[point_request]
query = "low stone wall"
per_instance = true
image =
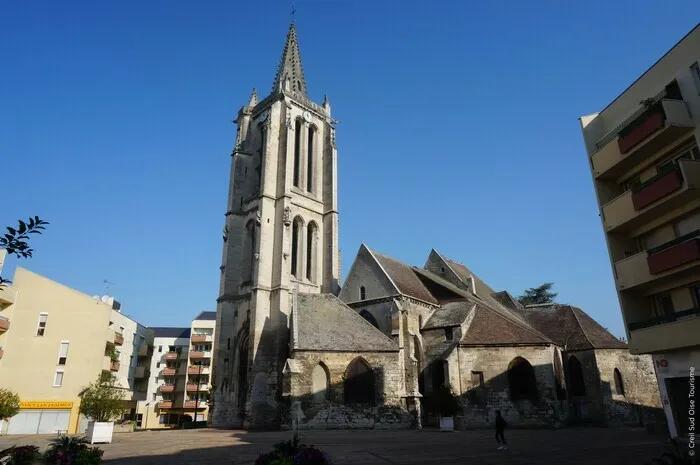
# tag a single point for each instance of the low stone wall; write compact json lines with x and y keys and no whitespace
{"x":303,"y":415}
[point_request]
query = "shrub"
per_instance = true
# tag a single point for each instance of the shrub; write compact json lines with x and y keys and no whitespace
{"x":293,"y":452}
{"x":9,"y":404}
{"x":444,"y":401}
{"x":102,"y":401}
{"x":23,"y":455}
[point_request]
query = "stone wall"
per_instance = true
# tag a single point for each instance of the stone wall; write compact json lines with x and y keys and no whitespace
{"x":640,"y":402}
{"x":304,"y":410}
{"x":481,"y":403}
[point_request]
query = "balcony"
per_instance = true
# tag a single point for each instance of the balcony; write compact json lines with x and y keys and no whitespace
{"x":661,"y":124}
{"x":145,"y":350}
{"x":659,"y":195}
{"x":171,"y":355}
{"x":169,"y":371}
{"x":167,"y":388}
{"x":681,"y":255}
{"x":118,"y":339}
{"x":113,"y":365}
{"x":197,"y":387}
{"x":200,"y":338}
{"x":142,"y":372}
{"x":2,"y":352}
{"x":193,"y":404}
{"x":197,"y":370}
{"x":4,"y":324}
{"x":665,"y":333}
{"x":8,"y":295}
{"x":200,"y":354}
{"x":165,"y":404}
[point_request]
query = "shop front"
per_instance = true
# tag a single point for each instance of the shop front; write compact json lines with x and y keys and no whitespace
{"x":675,"y":372}
{"x":44,"y":417}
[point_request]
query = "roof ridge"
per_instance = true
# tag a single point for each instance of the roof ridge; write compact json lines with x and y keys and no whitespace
{"x":580,"y":326}
{"x":371,"y":253}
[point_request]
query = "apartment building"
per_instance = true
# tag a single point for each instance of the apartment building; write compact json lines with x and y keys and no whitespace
{"x":645,"y":164}
{"x":178,"y":389}
{"x":56,"y":341}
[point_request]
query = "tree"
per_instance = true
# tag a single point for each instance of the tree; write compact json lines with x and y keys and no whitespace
{"x":16,"y":242}
{"x":9,"y":404}
{"x":538,"y":295}
{"x":103,"y":400}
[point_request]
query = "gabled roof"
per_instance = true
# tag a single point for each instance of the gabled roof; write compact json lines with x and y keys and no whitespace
{"x":507,"y":300}
{"x":324,"y":322}
{"x":489,"y":327}
{"x":404,"y":278}
{"x":171,"y":332}
{"x":206,"y":316}
{"x":570,"y":327}
{"x":290,"y":65}
{"x":449,"y":315}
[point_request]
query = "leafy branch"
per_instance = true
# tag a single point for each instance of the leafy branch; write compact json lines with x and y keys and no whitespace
{"x":16,"y":241}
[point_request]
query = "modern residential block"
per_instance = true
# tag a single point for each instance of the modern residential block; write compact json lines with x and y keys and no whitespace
{"x":645,"y":164}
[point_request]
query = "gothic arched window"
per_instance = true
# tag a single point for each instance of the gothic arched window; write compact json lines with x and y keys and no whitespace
{"x":320,"y":382}
{"x":310,"y":159}
{"x":619,"y":383}
{"x":297,"y":151}
{"x":311,"y":246}
{"x":521,"y":380}
{"x":576,"y":383}
{"x":249,"y":251}
{"x":363,"y":294}
{"x":358,"y":386}
{"x":297,"y":229}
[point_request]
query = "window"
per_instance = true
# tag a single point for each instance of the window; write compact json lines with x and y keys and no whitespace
{"x":363,"y":293}
{"x":310,"y":160}
{"x":63,"y":353}
{"x":477,"y":379}
{"x":695,"y":71}
{"x":154,"y":397}
{"x":662,"y":304}
{"x":163,"y":420}
{"x":575,"y":382}
{"x":160,"y":348}
{"x":449,"y":335}
{"x":688,"y":224}
{"x":521,"y":380}
{"x":358,"y":386}
{"x":155,"y":379}
{"x":687,"y":153}
{"x":228,"y":343}
{"x":297,"y":148}
{"x":41,"y":328}
{"x":619,"y":384}
{"x":157,"y":364}
{"x":420,"y":322}
{"x":58,"y":378}
{"x":311,"y":233}
{"x":297,"y":229}
{"x":631,"y":183}
{"x":131,"y":361}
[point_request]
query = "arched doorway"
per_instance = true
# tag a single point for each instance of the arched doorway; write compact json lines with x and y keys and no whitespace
{"x":521,"y":380}
{"x":576,"y":383}
{"x":358,"y":386}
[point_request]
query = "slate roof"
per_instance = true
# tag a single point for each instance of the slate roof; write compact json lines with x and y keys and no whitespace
{"x":571,"y":327}
{"x":507,"y":300}
{"x":449,"y":314}
{"x":171,"y":332}
{"x":323,"y":322}
{"x":206,"y":316}
{"x":404,"y":278}
{"x":489,"y":327}
{"x":290,"y":63}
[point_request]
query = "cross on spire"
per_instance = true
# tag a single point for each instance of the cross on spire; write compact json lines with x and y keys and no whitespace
{"x":290,"y":74}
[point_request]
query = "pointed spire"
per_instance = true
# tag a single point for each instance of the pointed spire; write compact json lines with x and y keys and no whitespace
{"x":326,"y":105}
{"x":253,"y":98}
{"x":290,"y":75}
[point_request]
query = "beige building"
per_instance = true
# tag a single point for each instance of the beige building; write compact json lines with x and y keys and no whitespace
{"x":645,"y":164}
{"x":56,"y":342}
{"x":180,"y":380}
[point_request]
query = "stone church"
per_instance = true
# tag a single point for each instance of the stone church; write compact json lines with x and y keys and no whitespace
{"x":296,"y":350}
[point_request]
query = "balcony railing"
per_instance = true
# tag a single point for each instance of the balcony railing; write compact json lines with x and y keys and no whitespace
{"x":197,"y":370}
{"x":193,"y":404}
{"x":200,"y":354}
{"x":657,"y":196}
{"x":165,"y":404}
{"x":171,"y":355}
{"x":114,"y":365}
{"x":676,"y":253}
{"x":167,"y":388}
{"x":118,"y":339}
{"x":8,"y":295}
{"x":665,"y":333}
{"x":200,"y":338}
{"x":661,"y":320}
{"x":4,"y":324}
{"x":169,"y":371}
{"x":142,"y":372}
{"x":145,"y":350}
{"x":658,"y":126}
{"x":197,"y":387}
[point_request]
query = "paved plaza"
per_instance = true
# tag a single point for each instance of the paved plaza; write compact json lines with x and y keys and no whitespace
{"x":477,"y":447}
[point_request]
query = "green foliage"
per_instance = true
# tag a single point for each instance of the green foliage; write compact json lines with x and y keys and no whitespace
{"x":538,"y":295}
{"x":22,"y":455}
{"x":16,"y":241}
{"x":293,"y":452}
{"x":72,"y":450}
{"x":102,"y":401}
{"x":9,"y":403}
{"x":113,"y":353}
{"x":444,"y":401}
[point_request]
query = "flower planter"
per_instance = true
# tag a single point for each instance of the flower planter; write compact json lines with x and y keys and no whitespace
{"x":99,"y":432}
{"x":447,"y":423}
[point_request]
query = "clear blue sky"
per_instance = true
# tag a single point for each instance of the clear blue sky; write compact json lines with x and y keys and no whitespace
{"x":459,"y":131}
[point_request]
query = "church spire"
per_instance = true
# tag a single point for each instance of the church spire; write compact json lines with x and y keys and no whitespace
{"x":290,"y":75}
{"x":253,"y":98}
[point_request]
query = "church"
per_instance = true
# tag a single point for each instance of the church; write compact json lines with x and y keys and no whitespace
{"x":295,"y":349}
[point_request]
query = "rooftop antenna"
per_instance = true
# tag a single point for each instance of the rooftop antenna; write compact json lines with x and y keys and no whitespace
{"x":107,"y":284}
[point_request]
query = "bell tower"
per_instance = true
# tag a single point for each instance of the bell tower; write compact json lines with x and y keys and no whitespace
{"x":280,"y":236}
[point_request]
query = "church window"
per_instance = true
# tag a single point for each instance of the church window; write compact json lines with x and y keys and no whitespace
{"x":521,"y":380}
{"x":320,"y":382}
{"x":363,"y":294}
{"x":619,"y":384}
{"x":420,"y":322}
{"x":310,"y":160}
{"x":370,"y":318}
{"x":358,"y":385}
{"x":297,"y":148}
{"x":449,"y":334}
{"x":249,"y":250}
{"x":296,"y":246}
{"x":575,"y":380}
{"x":311,"y":239}
{"x":477,"y":379}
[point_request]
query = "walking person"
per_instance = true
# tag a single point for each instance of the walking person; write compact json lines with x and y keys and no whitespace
{"x":500,"y":428}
